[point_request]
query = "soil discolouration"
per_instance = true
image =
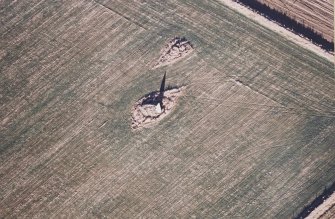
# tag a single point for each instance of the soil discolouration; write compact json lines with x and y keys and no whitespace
{"x":148,"y":110}
{"x":176,"y":49}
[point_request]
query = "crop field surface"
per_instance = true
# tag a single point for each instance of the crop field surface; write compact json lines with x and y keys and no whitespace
{"x":251,"y":137}
{"x":318,"y":15}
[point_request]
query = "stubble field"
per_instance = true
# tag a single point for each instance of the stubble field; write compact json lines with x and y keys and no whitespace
{"x":317,"y":15}
{"x":253,"y":136}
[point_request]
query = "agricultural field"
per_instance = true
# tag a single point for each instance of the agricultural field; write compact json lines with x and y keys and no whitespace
{"x":251,"y":137}
{"x":329,"y":214}
{"x":326,"y":210}
{"x":317,"y":15}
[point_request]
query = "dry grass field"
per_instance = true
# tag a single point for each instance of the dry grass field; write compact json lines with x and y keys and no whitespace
{"x":253,"y":136}
{"x":318,"y":15}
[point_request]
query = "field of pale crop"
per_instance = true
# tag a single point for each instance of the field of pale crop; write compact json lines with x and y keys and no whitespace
{"x":329,"y":214}
{"x":253,"y":136}
{"x":317,"y":14}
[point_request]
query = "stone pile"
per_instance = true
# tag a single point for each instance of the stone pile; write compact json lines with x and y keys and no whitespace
{"x":176,"y":49}
{"x":148,"y":110}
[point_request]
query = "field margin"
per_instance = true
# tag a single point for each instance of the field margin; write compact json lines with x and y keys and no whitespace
{"x":301,"y":41}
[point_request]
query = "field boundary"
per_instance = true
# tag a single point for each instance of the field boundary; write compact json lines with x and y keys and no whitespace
{"x":298,"y":39}
{"x":320,"y":205}
{"x":289,"y":23}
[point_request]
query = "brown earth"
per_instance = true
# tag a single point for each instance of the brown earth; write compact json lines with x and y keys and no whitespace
{"x":318,"y":15}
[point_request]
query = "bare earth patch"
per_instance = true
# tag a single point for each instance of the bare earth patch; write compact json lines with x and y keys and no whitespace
{"x":176,"y":49}
{"x":148,"y":111}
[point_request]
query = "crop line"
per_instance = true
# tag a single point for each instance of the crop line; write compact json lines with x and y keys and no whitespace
{"x":21,"y":18}
{"x":122,"y":15}
{"x":293,"y":152}
{"x":204,"y":82}
{"x":262,"y":198}
{"x":262,"y":150}
{"x":328,"y":211}
{"x":289,"y":110}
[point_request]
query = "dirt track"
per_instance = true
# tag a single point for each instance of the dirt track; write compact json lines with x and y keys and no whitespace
{"x":318,"y":15}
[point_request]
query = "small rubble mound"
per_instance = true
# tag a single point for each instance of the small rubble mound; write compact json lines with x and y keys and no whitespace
{"x":148,"y":110}
{"x":176,"y":49}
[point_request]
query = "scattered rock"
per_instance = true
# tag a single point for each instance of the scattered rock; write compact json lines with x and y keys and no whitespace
{"x":148,"y":110}
{"x":176,"y":49}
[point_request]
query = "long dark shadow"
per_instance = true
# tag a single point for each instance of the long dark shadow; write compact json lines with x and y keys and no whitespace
{"x":161,"y":91}
{"x":316,"y":202}
{"x":288,"y":23}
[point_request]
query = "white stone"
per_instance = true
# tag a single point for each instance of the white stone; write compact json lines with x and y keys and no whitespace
{"x":158,"y":109}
